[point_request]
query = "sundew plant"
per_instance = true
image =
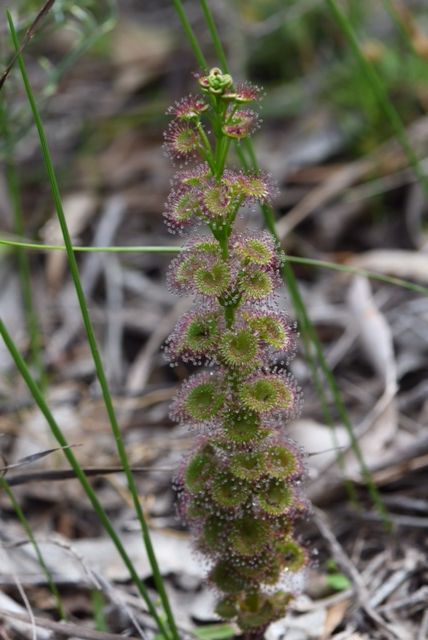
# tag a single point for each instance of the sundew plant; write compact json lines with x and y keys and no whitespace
{"x":239,"y":488}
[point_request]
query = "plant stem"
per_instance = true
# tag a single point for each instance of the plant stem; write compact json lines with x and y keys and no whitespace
{"x":222,"y":156}
{"x":190,"y":35}
{"x":27,"y":528}
{"x":310,"y":262}
{"x":208,"y":154}
{"x":38,"y":246}
{"x":309,"y":329}
{"x":80,"y":474}
{"x":74,"y":270}
{"x":214,"y":35}
{"x":378,"y":89}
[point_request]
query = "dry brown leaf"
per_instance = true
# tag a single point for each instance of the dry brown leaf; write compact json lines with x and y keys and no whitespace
{"x":335,"y":615}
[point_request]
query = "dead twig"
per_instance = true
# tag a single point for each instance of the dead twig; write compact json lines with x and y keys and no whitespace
{"x":69,"y":474}
{"x":345,"y":177}
{"x":29,"y":34}
{"x":64,"y":628}
{"x":349,"y":568}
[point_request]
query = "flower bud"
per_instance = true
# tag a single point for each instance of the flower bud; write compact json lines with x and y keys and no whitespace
{"x":216,"y":82}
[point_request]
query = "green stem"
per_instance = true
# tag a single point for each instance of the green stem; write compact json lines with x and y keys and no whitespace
{"x":27,"y":528}
{"x":222,"y":156}
{"x":38,"y":246}
{"x":92,"y":341}
{"x":250,"y":150}
{"x":378,"y":89}
{"x":308,"y":328}
{"x":242,"y":159}
{"x":214,"y":35}
{"x":80,"y":474}
{"x":310,"y":262}
{"x":222,"y":237}
{"x":190,"y":35}
{"x":229,"y":313}
{"x":234,"y":213}
{"x":307,"y":339}
{"x":206,"y":146}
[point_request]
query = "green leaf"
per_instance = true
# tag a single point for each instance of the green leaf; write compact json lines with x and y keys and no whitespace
{"x":338,"y":582}
{"x":215,"y":632}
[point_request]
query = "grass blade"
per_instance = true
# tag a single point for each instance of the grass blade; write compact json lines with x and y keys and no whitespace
{"x":27,"y":528}
{"x":218,"y":46}
{"x":38,"y":246}
{"x":190,"y":35}
{"x":39,"y":398}
{"x":377,"y":87}
{"x":92,"y":341}
{"x":309,"y":262}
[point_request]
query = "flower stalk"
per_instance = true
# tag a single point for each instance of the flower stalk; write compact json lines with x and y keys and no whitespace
{"x":239,"y":488}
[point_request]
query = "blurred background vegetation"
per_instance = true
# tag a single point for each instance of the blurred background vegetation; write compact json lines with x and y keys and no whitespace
{"x":104,"y":73}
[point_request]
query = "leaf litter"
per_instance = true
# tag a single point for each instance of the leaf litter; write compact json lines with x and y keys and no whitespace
{"x":375,"y":337}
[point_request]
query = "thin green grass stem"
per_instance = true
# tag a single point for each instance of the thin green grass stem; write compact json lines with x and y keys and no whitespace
{"x":218,"y":46}
{"x":190,"y":35}
{"x":31,"y":319}
{"x":251,"y":154}
{"x":11,"y":241}
{"x":372,"y":275}
{"x":93,"y":343}
{"x":377,"y":87}
{"x":309,"y":262}
{"x":98,"y":607}
{"x":56,"y":430}
{"x":27,"y":528}
{"x":309,"y":329}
